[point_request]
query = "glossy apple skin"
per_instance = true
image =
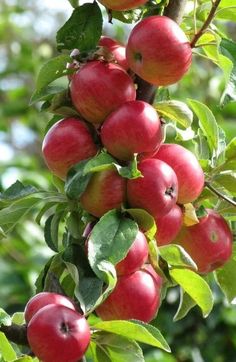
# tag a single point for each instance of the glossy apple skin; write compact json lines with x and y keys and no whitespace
{"x":156,"y":192}
{"x":42,"y":299}
{"x":169,"y":226}
{"x":136,"y":296}
{"x":209,"y":243}
{"x":57,"y":333}
{"x":187,"y":168}
{"x":158,"y":51}
{"x":117,"y":49}
{"x":98,"y":88}
{"x":105,"y":191}
{"x":133,"y":128}
{"x":67,"y":142}
{"x":136,"y":257}
{"x":122,"y":4}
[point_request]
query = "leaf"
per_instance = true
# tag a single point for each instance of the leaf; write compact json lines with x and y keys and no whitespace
{"x":5,"y":319}
{"x":197,"y":288}
{"x":185,"y":305}
{"x":176,"y":111}
{"x":145,"y":221}
{"x":77,"y":180}
{"x":100,"y":162}
{"x":110,"y":239}
{"x":190,"y":217}
{"x":131,"y":171}
{"x":47,"y":93}
{"x":228,"y":181}
{"x":227,"y":13}
{"x":228,"y":49}
{"x":6,"y":349}
{"x":207,"y":123}
{"x":136,"y":330}
{"x":113,"y":348}
{"x":74,"y":3}
{"x":128,"y":16}
{"x":18,"y":318}
{"x":82,"y":30}
{"x":51,"y":230}
{"x":176,"y":256}
{"x":17,"y":191}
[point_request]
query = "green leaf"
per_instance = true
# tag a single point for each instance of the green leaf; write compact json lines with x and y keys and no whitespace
{"x":145,"y":221}
{"x":82,"y":30}
{"x":108,"y":347}
{"x":47,"y":93}
{"x":131,"y":171}
{"x":196,"y":287}
{"x":51,"y":230}
{"x":176,"y":256}
{"x":228,"y":49}
{"x":228,"y":181}
{"x":227,"y":13}
{"x":74,"y":3}
{"x":6,"y":349}
{"x":77,"y":180}
{"x":18,"y":318}
{"x":17,"y":191}
{"x":128,"y":17}
{"x":5,"y":319}
{"x":110,"y":239}
{"x":100,"y":162}
{"x":207,"y":123}
{"x":185,"y":305}
{"x":176,"y":111}
{"x":26,"y":359}
{"x":136,"y":330}
{"x":225,"y":278}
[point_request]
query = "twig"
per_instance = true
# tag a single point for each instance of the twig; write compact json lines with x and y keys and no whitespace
{"x":209,"y":19}
{"x":16,"y":334}
{"x":218,"y":193}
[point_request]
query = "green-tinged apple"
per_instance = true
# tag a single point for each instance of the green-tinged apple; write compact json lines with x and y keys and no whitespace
{"x":136,"y":296}
{"x":117,"y":49}
{"x":187,"y":168}
{"x":133,"y":128}
{"x":156,"y":192}
{"x":58,"y":334}
{"x":158,"y":50}
{"x":209,"y":243}
{"x":169,"y":226}
{"x":122,"y":4}
{"x":105,"y":191}
{"x":136,"y":257}
{"x":98,"y":88}
{"x":67,"y":142}
{"x":42,"y":299}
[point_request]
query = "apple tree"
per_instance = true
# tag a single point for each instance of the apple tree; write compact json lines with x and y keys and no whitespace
{"x":142,"y":193}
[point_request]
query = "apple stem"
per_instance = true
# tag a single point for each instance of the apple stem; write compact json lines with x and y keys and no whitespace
{"x":218,"y":193}
{"x":206,"y":24}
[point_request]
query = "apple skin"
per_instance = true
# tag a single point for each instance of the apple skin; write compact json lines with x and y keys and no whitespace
{"x":117,"y":49}
{"x":187,"y":168}
{"x":136,"y":296}
{"x":42,"y":299}
{"x":158,"y":51}
{"x":209,"y":243}
{"x":105,"y":191}
{"x":156,"y":192}
{"x":98,"y":88}
{"x":122,"y":4}
{"x":136,"y":257}
{"x":67,"y":142}
{"x":58,"y":333}
{"x":133,"y":128}
{"x":169,"y":226}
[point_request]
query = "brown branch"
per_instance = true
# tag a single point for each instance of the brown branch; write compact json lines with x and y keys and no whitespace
{"x":218,"y":193}
{"x":209,"y":19}
{"x":146,"y":91}
{"x":16,"y":334}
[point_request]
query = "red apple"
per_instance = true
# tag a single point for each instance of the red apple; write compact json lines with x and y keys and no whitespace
{"x":159,"y":51}
{"x":156,"y":192}
{"x":98,"y":88}
{"x":187,"y":168}
{"x":42,"y":299}
{"x":105,"y":191}
{"x":209,"y":243}
{"x":117,"y":49}
{"x":122,"y":4}
{"x":136,"y":296}
{"x":133,"y":128}
{"x":57,"y":333}
{"x":67,"y":142}
{"x":136,"y":257}
{"x":169,"y":226}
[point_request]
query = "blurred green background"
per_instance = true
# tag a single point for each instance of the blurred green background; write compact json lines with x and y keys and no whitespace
{"x":27,"y":40}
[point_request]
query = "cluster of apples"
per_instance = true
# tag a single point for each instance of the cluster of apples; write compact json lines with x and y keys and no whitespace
{"x":55,"y":330}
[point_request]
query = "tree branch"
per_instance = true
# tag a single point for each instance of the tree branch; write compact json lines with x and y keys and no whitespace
{"x":209,"y":19}
{"x":146,"y":91}
{"x":16,"y":333}
{"x":218,"y":193}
